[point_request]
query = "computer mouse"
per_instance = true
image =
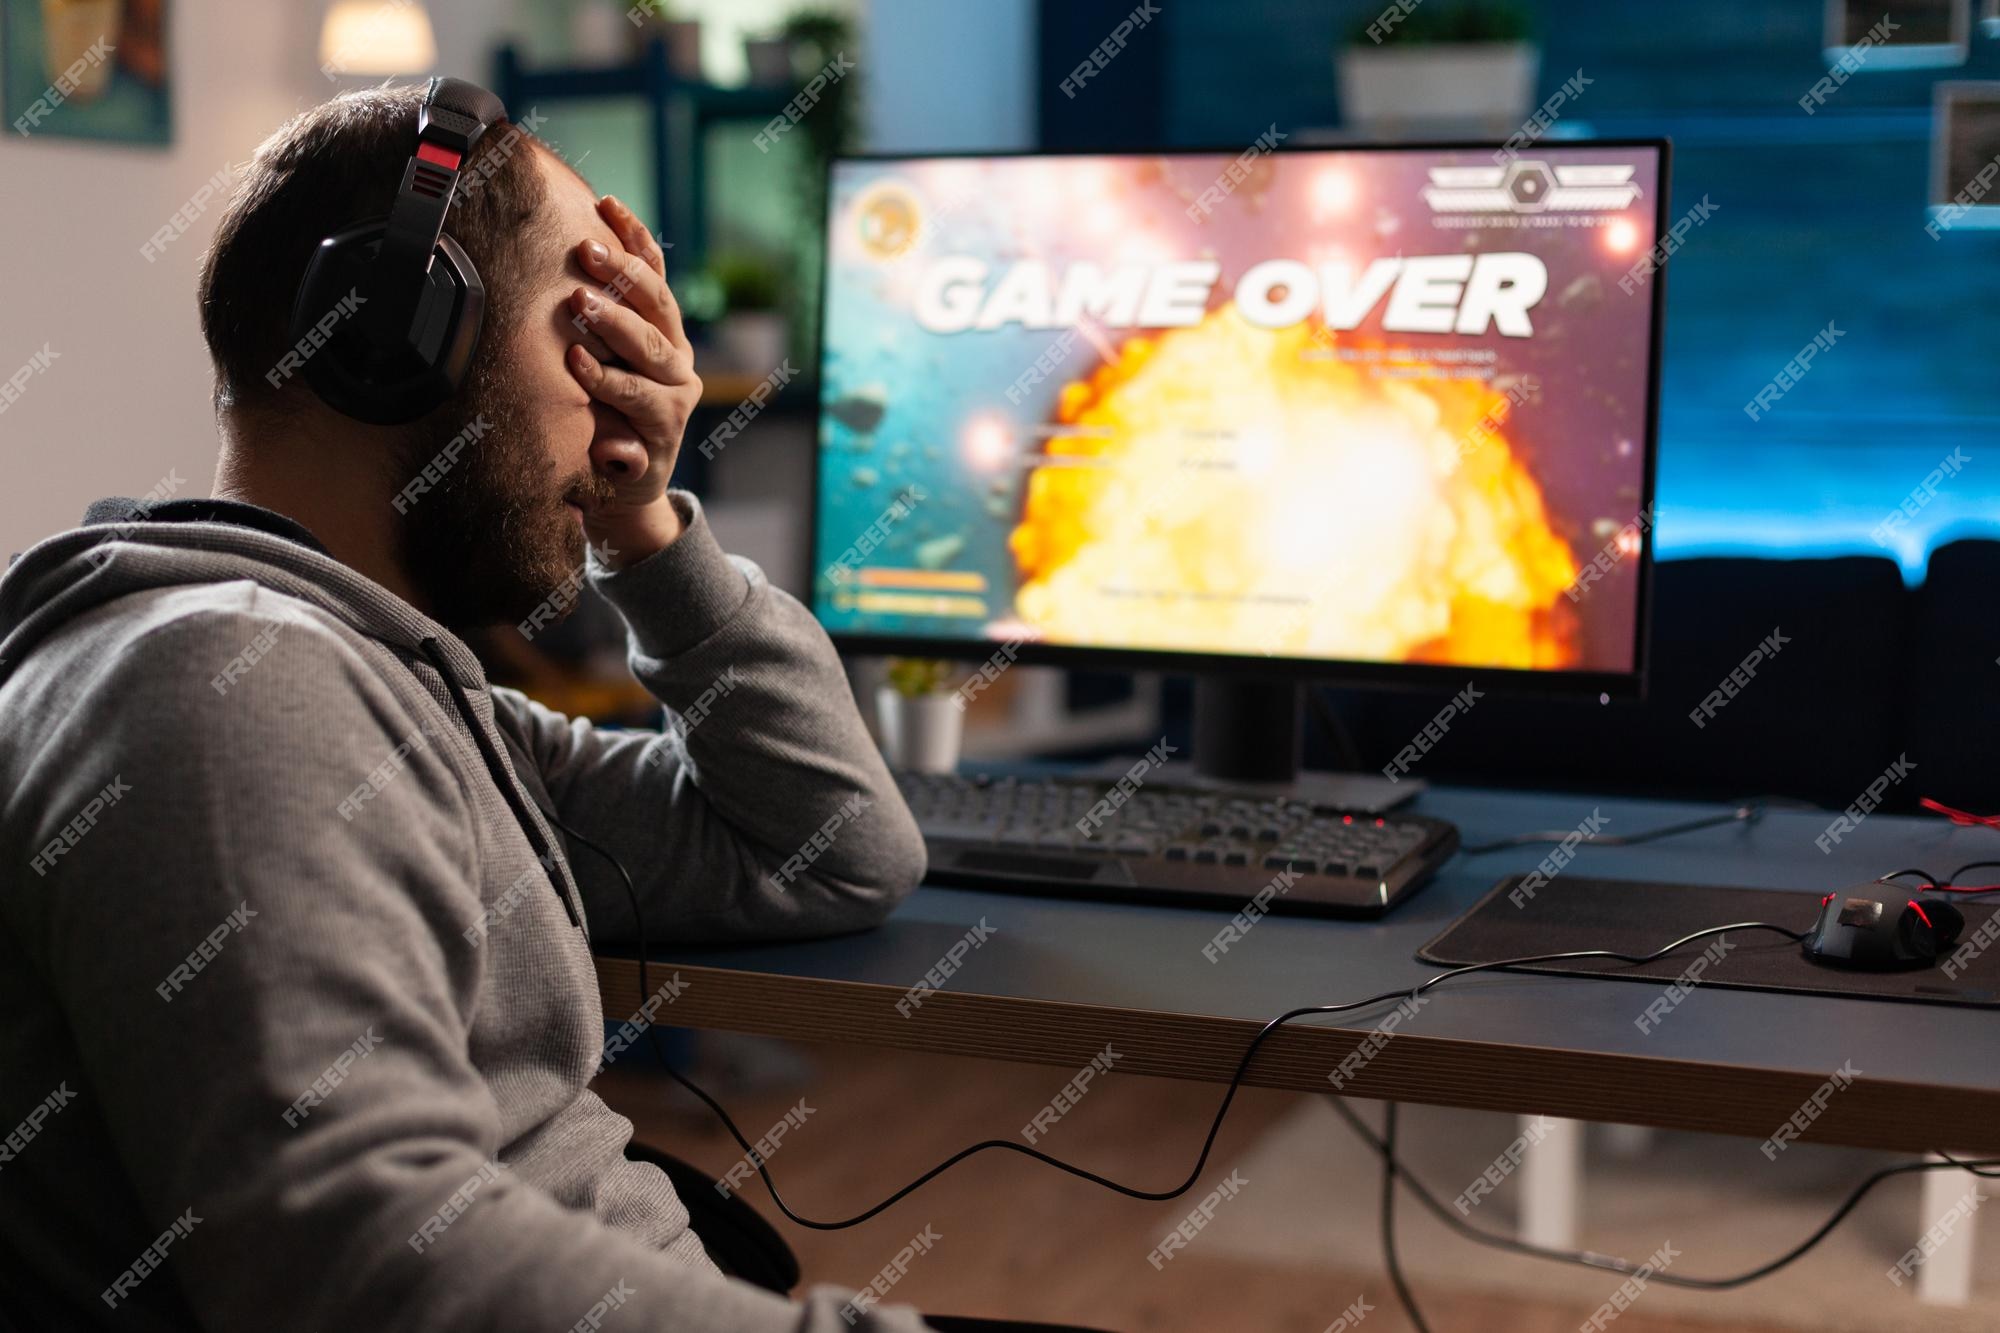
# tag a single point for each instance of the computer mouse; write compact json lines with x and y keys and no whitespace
{"x":1866,"y":932}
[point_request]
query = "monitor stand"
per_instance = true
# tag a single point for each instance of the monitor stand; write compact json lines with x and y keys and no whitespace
{"x":1249,"y":733}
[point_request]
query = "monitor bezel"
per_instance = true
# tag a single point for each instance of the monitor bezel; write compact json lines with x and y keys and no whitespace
{"x":1515,"y":681}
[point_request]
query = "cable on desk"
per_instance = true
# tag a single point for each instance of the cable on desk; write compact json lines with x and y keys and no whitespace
{"x":1746,"y":812}
{"x":1963,"y":818}
{"x":1385,"y":1145}
{"x":1949,"y":884}
{"x":1228,"y":1096}
{"x":1008,"y":1145}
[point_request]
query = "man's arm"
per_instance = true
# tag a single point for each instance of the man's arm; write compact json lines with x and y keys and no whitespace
{"x":305,"y":1105}
{"x":763,"y":809}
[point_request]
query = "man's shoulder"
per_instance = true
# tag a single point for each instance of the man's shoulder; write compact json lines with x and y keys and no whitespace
{"x":172,"y":646}
{"x":263,"y":699}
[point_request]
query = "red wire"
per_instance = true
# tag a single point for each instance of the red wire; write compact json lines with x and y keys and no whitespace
{"x":1960,"y":817}
{"x":1964,"y":818}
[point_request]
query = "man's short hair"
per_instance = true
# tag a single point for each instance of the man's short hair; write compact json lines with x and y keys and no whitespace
{"x":327,"y":168}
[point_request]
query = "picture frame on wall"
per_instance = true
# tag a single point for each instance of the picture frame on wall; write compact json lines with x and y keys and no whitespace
{"x":1898,"y":34}
{"x":86,"y":69}
{"x":1965,"y":157}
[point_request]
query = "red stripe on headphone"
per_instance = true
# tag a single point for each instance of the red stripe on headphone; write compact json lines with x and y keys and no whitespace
{"x":444,"y":157}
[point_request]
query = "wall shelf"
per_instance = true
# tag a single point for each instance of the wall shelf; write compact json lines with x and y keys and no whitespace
{"x":679,"y":113}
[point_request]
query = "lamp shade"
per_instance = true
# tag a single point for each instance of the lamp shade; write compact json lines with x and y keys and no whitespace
{"x":371,"y":37}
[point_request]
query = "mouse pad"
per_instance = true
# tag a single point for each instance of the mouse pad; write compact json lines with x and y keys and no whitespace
{"x":1630,"y":916}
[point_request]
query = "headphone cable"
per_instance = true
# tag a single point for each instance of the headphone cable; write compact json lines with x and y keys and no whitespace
{"x":1383,"y":1145}
{"x":1008,"y":1145}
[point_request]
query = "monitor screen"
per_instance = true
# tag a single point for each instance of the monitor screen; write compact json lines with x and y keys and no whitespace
{"x":1364,"y":407}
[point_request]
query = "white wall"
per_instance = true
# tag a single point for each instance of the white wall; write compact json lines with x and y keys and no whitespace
{"x":126,"y":399}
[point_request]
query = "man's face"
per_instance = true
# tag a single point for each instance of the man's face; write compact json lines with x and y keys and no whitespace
{"x":505,"y":527}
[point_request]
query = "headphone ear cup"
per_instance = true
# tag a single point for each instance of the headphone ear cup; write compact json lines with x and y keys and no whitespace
{"x":349,"y":365}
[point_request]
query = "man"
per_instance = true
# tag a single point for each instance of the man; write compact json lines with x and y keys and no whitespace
{"x":297,"y":1008}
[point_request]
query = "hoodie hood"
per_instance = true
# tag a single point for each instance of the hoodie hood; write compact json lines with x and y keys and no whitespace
{"x":73,"y":573}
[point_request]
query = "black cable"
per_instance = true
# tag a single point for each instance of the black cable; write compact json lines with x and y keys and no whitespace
{"x":1391,"y":1258}
{"x":1626,"y":1267}
{"x":1008,"y":1145}
{"x":1228,"y":1097}
{"x":1383,"y":1146}
{"x":1967,"y":1166}
{"x":1949,"y":882}
{"x":1746,"y":812}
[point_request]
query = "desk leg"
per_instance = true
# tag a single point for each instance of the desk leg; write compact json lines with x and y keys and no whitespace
{"x":1551,"y":1180}
{"x":1946,"y":1276}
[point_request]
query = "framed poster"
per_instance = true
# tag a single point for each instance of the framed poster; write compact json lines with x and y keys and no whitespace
{"x":88,"y":69}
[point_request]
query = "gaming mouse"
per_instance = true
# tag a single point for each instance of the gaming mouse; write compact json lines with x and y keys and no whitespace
{"x":1867,"y":933}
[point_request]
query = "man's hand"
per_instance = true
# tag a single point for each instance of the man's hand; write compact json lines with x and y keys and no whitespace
{"x":648,"y":397}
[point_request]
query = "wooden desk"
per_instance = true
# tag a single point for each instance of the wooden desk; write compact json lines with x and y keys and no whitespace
{"x":1057,"y":980}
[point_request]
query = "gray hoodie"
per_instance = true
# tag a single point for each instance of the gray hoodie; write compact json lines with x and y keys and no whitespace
{"x":295,"y":1027}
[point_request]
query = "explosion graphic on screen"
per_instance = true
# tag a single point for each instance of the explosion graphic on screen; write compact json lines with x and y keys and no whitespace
{"x":1252,"y":490}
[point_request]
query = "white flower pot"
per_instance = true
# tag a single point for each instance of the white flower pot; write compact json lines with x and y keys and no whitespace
{"x":922,"y":734}
{"x":1487,"y":86}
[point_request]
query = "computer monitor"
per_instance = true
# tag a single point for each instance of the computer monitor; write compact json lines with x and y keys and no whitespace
{"x":1362,"y":414}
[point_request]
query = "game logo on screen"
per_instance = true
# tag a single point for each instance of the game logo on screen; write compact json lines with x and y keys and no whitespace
{"x":1383,"y":406}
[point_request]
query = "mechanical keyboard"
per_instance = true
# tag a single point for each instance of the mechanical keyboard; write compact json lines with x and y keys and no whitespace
{"x":1198,"y":846}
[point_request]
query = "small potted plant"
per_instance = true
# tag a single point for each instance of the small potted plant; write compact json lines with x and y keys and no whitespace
{"x":1468,"y":65}
{"x":752,"y":333}
{"x":922,"y":722}
{"x":682,"y":37}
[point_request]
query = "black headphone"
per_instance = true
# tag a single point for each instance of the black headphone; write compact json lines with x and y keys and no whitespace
{"x":389,"y":312}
